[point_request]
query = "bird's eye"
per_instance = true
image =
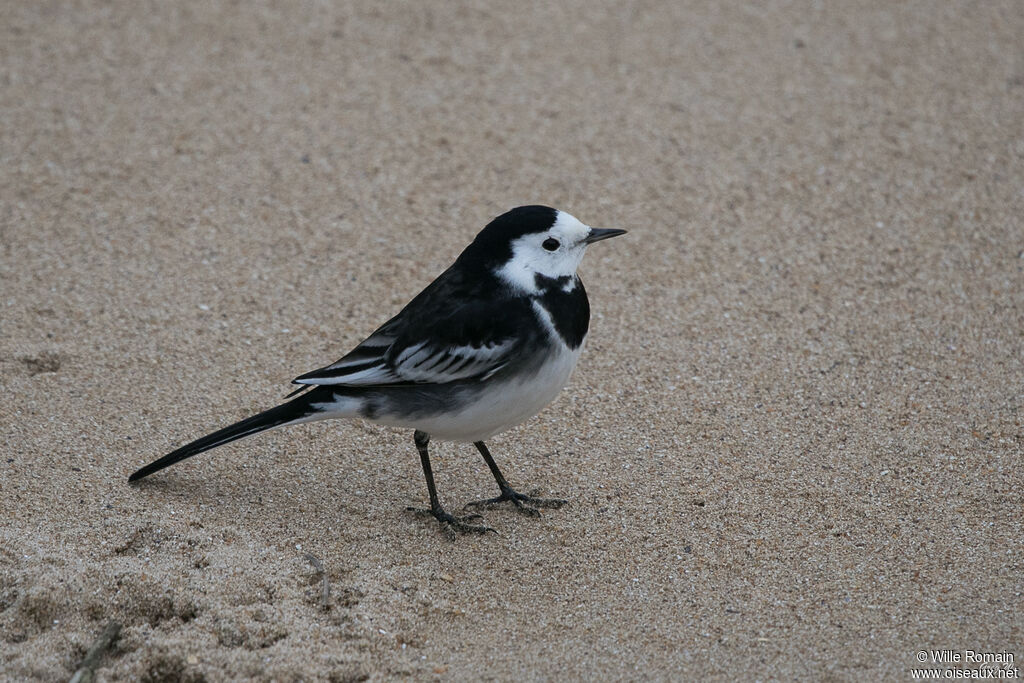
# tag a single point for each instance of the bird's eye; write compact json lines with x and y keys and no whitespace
{"x":551,"y":244}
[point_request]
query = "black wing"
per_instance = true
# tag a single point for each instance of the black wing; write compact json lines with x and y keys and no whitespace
{"x":450,"y":332}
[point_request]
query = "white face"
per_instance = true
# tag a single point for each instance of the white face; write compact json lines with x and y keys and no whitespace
{"x":555,"y":253}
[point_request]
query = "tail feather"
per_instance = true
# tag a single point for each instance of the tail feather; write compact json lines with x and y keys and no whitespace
{"x":298,"y":410}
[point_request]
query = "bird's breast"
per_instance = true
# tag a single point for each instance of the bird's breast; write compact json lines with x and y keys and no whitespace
{"x":476,"y":411}
{"x":563,"y":309}
{"x":508,"y":401}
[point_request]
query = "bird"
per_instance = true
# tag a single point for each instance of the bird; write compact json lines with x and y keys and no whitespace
{"x":484,"y":347}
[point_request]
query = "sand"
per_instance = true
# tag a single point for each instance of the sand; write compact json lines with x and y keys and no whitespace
{"x":793,"y":444}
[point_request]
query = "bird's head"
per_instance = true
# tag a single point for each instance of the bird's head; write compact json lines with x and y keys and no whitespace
{"x":534,"y":240}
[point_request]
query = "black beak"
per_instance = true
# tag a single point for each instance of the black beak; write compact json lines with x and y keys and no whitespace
{"x":598,"y":234}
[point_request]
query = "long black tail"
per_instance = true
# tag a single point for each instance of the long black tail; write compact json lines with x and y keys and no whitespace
{"x":297,"y":410}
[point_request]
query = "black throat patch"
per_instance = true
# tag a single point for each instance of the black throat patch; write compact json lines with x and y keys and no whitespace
{"x":569,"y":310}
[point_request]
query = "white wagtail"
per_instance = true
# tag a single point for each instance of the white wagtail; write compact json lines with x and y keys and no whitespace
{"x":484,"y":347}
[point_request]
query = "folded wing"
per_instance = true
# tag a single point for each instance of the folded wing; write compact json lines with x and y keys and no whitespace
{"x":473,"y":342}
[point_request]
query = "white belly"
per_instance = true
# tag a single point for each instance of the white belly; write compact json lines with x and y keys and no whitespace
{"x":501,"y":406}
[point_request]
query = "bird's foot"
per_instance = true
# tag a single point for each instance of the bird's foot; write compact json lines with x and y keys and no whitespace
{"x":525,"y":503}
{"x":450,"y":523}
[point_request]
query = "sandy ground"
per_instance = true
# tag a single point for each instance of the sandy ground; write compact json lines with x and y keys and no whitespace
{"x":793,"y":446}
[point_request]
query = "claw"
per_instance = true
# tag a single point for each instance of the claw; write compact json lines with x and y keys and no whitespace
{"x":526,"y":504}
{"x":450,"y":523}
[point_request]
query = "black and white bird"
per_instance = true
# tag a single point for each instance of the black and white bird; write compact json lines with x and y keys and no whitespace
{"x":484,"y":347}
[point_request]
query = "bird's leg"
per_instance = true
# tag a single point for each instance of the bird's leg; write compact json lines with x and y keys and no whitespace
{"x":527,"y":504}
{"x":450,"y":522}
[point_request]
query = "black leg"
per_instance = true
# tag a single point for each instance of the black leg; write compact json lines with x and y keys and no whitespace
{"x":510,"y":494}
{"x":450,"y":522}
{"x":422,"y":440}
